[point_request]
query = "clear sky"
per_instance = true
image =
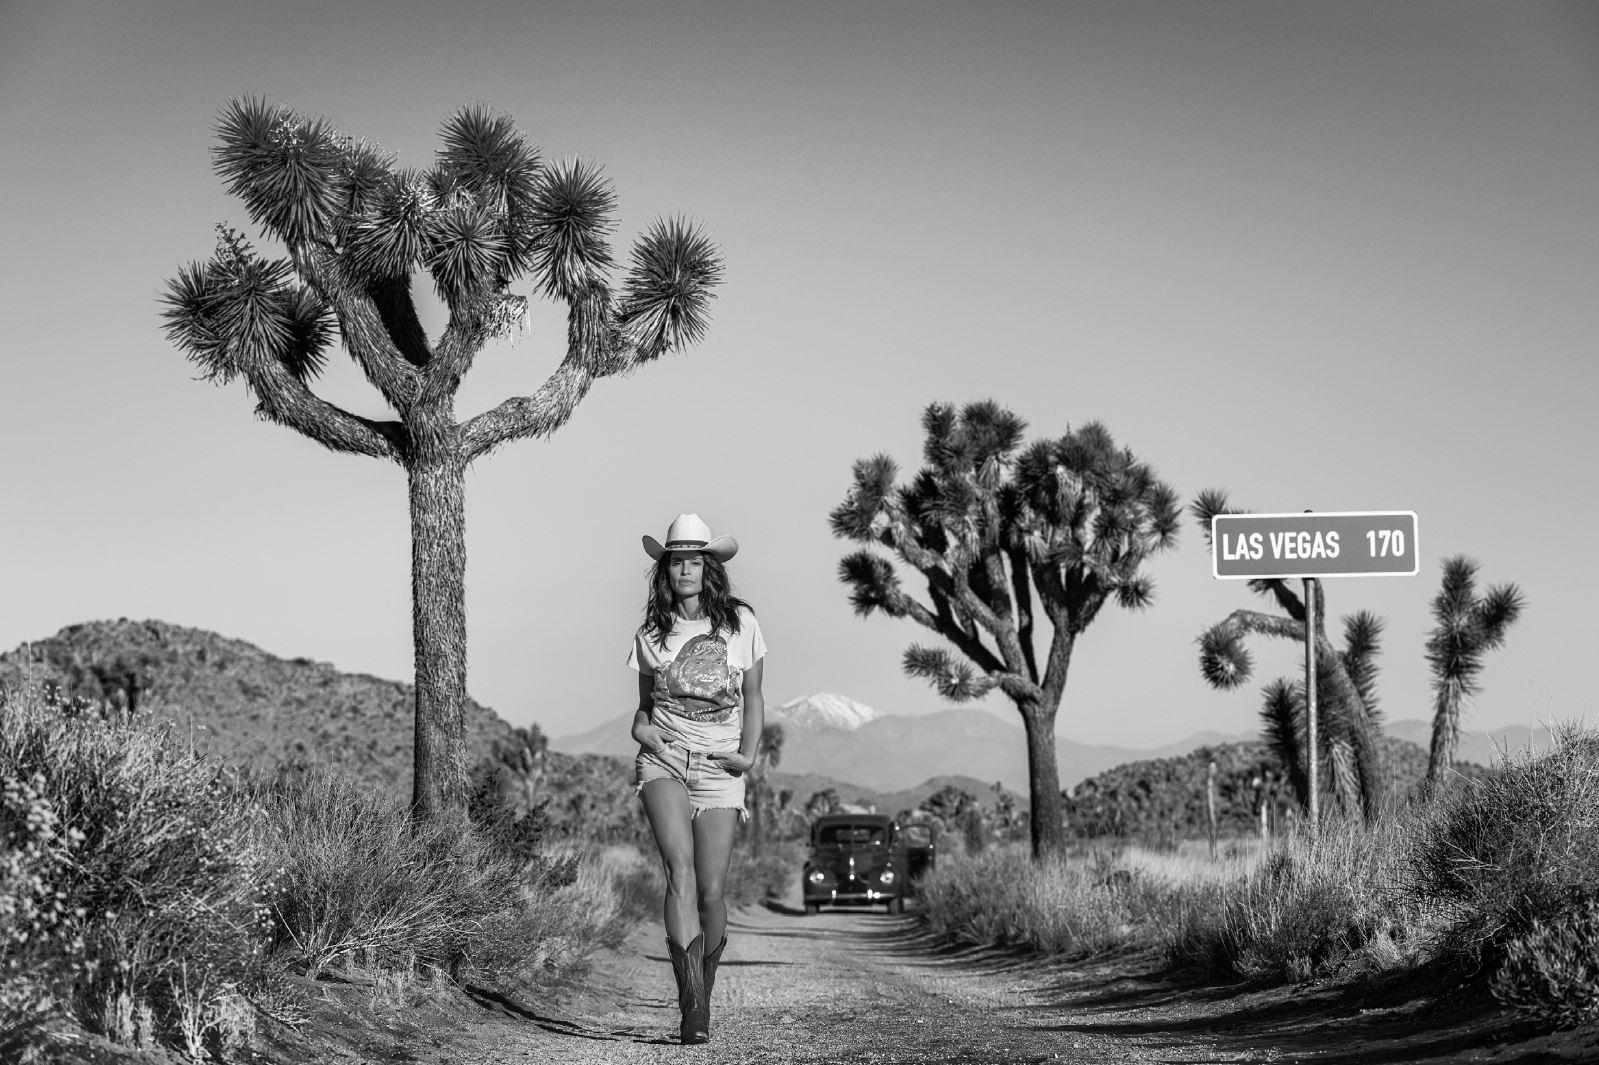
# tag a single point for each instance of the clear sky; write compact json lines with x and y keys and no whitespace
{"x":1330,"y":255}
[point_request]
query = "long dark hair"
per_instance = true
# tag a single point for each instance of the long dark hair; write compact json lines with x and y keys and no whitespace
{"x":716,"y":600}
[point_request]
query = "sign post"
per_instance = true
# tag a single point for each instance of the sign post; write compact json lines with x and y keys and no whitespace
{"x":1312,"y":545}
{"x":1312,"y":593}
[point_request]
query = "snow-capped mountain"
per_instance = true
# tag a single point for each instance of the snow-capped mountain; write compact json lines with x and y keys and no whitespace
{"x":825,"y":710}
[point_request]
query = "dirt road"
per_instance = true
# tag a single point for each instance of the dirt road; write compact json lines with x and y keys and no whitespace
{"x":852,"y":988}
{"x":833,"y":988}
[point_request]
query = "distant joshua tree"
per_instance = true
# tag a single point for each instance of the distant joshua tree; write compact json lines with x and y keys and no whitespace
{"x":1003,"y":534}
{"x":764,"y":816}
{"x":1346,"y":682}
{"x":823,"y":802}
{"x":1466,"y":627}
{"x":355,"y":228}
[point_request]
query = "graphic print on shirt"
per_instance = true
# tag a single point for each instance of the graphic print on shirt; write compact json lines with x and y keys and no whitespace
{"x":699,"y":684}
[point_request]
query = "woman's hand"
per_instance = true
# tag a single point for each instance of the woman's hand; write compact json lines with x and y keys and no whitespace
{"x":649,"y":737}
{"x":735,"y":762}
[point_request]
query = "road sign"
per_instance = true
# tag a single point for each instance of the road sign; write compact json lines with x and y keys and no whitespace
{"x":1358,"y":543}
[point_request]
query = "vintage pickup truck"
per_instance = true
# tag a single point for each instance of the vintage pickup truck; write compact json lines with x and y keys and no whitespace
{"x":863,"y":860}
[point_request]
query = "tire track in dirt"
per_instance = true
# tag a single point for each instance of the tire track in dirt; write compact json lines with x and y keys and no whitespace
{"x":833,"y":988}
{"x":846,"y":988}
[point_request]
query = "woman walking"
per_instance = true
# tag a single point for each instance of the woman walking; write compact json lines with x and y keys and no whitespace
{"x":699,"y":656}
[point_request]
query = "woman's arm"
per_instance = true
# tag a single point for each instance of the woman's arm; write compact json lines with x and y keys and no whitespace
{"x":749,"y":747}
{"x":644,"y":733}
{"x":754,"y":712}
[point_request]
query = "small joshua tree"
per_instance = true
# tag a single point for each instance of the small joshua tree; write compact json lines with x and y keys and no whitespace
{"x":1346,"y":682}
{"x":1466,"y":627}
{"x":1003,"y":534}
{"x":764,"y":816}
{"x":355,"y":227}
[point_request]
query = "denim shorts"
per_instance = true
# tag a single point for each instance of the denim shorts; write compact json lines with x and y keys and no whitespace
{"x":709,"y":786}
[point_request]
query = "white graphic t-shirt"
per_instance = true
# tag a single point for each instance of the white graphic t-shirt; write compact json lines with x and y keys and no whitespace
{"x":699,"y":680}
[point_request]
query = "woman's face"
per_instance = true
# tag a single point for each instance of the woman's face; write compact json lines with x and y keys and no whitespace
{"x":687,"y":573}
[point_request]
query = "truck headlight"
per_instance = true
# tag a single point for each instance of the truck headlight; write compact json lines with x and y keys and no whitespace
{"x":886,"y":876}
{"x":816,"y":876}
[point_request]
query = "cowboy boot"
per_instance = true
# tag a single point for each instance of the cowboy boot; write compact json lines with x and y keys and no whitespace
{"x":688,"y":965}
{"x":712,"y":959}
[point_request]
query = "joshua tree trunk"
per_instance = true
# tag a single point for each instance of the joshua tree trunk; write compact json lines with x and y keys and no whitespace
{"x":1047,"y":822}
{"x":438,"y":592}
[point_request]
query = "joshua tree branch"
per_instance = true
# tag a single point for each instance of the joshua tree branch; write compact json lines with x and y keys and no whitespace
{"x":284,"y":399}
{"x":1000,"y":628}
{"x":1242,"y":621}
{"x":361,"y":325}
{"x":540,"y":414}
{"x":1022,"y":592}
{"x":594,"y":349}
{"x":1058,"y":661}
{"x":1019,"y":689}
{"x":463,"y":338}
{"x":392,"y":298}
{"x":968,"y":643}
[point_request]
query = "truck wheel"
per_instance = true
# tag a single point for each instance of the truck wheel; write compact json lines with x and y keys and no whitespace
{"x":896,"y":904}
{"x":812,"y":909}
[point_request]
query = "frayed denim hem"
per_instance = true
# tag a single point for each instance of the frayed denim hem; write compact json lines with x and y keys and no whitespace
{"x":743,"y":814}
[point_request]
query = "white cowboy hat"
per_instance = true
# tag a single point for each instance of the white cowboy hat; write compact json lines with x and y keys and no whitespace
{"x":688,"y":533}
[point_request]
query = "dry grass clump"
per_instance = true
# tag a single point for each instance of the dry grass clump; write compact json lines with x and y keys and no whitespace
{"x":1074,"y":906}
{"x":1511,"y":862}
{"x":1498,"y":877}
{"x":354,"y":875}
{"x":131,"y":895}
{"x":147,"y":896}
{"x":1295,"y":909}
{"x":1309,"y":904}
{"x":360,"y":887}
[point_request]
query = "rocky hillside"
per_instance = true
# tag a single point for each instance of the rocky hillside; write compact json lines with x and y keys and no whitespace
{"x":238,"y":702}
{"x":1164,"y":798}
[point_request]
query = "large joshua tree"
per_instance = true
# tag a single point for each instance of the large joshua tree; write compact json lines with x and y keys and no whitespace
{"x":1465,"y":628}
{"x":1346,"y":681}
{"x":1007,"y":536}
{"x":488,"y":213}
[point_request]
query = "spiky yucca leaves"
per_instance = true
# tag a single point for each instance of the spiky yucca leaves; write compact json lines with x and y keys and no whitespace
{"x":287,"y":170}
{"x":485,"y":216}
{"x":1465,"y":628}
{"x":667,"y":294}
{"x":572,"y":217}
{"x":1282,"y":714}
{"x":1346,"y":677}
{"x":238,"y":310}
{"x":1003,"y":533}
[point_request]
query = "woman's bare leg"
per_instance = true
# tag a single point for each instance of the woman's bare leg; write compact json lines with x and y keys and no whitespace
{"x":713,"y":849}
{"x":666,"y":806}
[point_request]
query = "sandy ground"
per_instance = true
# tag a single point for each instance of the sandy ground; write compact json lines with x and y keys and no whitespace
{"x":852,"y":987}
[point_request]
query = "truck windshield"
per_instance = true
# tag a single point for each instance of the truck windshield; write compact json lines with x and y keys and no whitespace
{"x":852,"y":836}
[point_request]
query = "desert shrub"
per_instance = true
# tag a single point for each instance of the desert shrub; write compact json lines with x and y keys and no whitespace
{"x":1001,"y":897}
{"x":130,"y":894}
{"x":355,"y":875}
{"x":1511,"y":861}
{"x":1551,"y":971}
{"x":1311,"y":903}
{"x":567,"y":908}
{"x":1513,"y":848}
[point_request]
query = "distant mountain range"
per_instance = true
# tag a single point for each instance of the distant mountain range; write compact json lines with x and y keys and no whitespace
{"x":830,"y":734}
{"x":247,"y":706}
